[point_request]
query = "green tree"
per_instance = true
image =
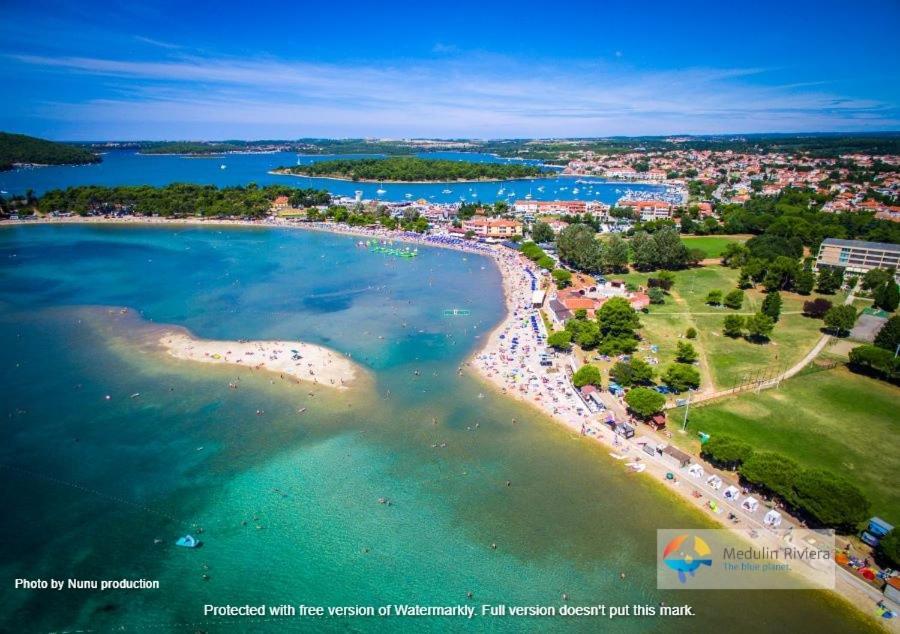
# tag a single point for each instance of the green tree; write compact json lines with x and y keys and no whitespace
{"x":889,"y":335}
{"x":830,"y":500}
{"x":562,"y":277}
{"x":561,"y":340}
{"x":840,"y":320}
{"x":875,"y":360}
{"x":805,"y":281}
{"x":726,"y":452}
{"x":874,"y":278}
{"x":830,"y":280}
{"x":546,"y":262}
{"x":889,"y":548}
{"x":691,"y":332}
{"x":714,"y":298}
{"x":734,"y":299}
{"x":772,"y":472}
{"x":735,"y":255}
{"x":617,"y":317}
{"x":587,"y":375}
{"x":887,"y":297}
{"x":633,"y":372}
{"x":771,"y":305}
{"x":656,"y":295}
{"x":615,"y":255}
{"x":733,"y":326}
{"x":542,"y":232}
{"x":645,"y":402}
{"x":685,"y":352}
{"x":759,"y":326}
{"x":816,"y":307}
{"x":681,"y":377}
{"x":578,"y":246}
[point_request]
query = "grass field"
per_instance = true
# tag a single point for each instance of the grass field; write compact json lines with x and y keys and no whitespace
{"x":712,"y":245}
{"x":832,"y":419}
{"x":727,"y":361}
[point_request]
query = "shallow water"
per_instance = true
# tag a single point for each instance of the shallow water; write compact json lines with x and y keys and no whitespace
{"x":89,"y":483}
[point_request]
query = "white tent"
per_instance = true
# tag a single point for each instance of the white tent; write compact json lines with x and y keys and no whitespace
{"x":714,"y":482}
{"x":732,"y":493}
{"x":696,"y":470}
{"x":750,"y":504}
{"x":772,"y":519}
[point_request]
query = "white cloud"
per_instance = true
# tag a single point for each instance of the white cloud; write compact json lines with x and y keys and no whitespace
{"x":476,"y":95}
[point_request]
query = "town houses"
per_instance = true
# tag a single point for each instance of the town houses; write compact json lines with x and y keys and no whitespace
{"x":649,"y":209}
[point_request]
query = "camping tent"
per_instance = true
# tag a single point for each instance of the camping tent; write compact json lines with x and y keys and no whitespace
{"x":772,"y":519}
{"x":732,"y":493}
{"x":714,"y":482}
{"x":750,"y":504}
{"x":696,"y":470}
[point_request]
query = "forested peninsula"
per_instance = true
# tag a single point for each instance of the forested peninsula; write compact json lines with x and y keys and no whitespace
{"x":28,"y":150}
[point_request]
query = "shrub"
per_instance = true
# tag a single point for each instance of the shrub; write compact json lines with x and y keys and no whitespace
{"x":562,"y":277}
{"x":546,"y":262}
{"x":734,"y":299}
{"x":714,"y":298}
{"x":691,"y":333}
{"x":656,"y":295}
{"x":587,"y":375}
{"x":726,"y":452}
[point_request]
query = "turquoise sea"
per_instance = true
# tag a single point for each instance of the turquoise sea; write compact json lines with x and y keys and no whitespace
{"x":123,"y":167}
{"x":289,"y":502}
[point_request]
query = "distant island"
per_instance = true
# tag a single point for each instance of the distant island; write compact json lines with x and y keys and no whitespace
{"x":20,"y":149}
{"x":192,"y":148}
{"x":411,"y":169}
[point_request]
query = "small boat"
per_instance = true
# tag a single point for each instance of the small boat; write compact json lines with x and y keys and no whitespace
{"x":188,"y":541}
{"x":135,"y":395}
{"x":446,"y":191}
{"x":222,"y":166}
{"x":380,"y":191}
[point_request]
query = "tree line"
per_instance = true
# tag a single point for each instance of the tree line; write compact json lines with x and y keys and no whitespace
{"x":177,"y":199}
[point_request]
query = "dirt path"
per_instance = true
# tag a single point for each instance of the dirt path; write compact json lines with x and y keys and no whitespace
{"x":706,"y":379}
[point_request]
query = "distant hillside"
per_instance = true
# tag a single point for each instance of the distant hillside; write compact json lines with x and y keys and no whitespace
{"x":19,"y":148}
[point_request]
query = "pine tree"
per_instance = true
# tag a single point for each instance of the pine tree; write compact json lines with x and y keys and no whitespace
{"x":771,"y":305}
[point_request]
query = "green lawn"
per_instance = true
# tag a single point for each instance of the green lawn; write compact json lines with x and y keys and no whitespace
{"x":832,"y":419}
{"x":729,"y":360}
{"x":713,"y":245}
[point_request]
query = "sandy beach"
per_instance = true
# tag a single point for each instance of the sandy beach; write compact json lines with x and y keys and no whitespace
{"x":300,"y":361}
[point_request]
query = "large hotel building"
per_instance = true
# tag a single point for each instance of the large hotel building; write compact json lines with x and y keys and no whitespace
{"x":857,"y":256}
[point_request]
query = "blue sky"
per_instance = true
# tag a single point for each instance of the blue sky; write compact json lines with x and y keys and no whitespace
{"x":254,"y":70}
